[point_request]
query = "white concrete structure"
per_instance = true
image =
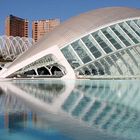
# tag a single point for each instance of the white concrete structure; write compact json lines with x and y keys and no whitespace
{"x":103,"y":42}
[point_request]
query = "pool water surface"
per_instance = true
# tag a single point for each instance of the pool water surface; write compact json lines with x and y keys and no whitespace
{"x":70,"y":110}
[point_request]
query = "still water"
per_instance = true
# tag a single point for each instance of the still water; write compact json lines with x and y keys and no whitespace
{"x":70,"y":110}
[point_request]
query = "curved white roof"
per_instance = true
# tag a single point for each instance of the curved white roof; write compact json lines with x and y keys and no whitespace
{"x":78,"y":26}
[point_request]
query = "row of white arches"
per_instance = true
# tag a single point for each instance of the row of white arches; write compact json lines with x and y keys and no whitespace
{"x":11,"y":47}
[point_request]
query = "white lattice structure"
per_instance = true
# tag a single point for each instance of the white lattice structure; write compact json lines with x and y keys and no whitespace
{"x":99,"y":43}
{"x":11,"y":47}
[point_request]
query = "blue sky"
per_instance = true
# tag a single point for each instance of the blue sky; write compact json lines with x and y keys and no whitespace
{"x":63,"y":9}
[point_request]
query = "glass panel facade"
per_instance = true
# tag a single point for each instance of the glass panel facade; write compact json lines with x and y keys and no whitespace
{"x":89,"y":43}
{"x":133,"y":56}
{"x":106,"y":66}
{"x":137,"y":22}
{"x":78,"y":47}
{"x":100,"y":68}
{"x":121,"y":37}
{"x":101,"y":43}
{"x":129,"y":69}
{"x":71,"y":58}
{"x":114,"y":57}
{"x":97,"y":44}
{"x":129,"y":34}
{"x":134,"y":27}
{"x":112,"y":40}
{"x":94,"y":70}
{"x":109,"y":61}
{"x":86,"y":71}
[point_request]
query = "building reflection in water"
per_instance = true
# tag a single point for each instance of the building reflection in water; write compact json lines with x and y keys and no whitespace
{"x":45,"y":91}
{"x":15,"y":110}
{"x":111,"y":107}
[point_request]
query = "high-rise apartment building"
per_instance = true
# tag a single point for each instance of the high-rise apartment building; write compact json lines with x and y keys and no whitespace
{"x":15,"y":26}
{"x":41,"y":27}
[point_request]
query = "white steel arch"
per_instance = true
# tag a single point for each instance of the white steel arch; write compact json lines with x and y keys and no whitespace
{"x":11,"y":47}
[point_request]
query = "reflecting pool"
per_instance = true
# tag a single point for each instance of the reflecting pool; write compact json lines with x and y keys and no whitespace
{"x":70,"y":110}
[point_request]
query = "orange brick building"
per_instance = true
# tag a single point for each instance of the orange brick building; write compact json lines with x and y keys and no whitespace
{"x":41,"y":27}
{"x":15,"y":26}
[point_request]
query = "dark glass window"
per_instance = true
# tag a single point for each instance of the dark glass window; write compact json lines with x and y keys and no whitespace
{"x":112,"y":40}
{"x":105,"y":47}
{"x":70,"y":57}
{"x":81,"y":52}
{"x":129,"y":34}
{"x":134,"y":28}
{"x":121,"y":37}
{"x":91,"y":47}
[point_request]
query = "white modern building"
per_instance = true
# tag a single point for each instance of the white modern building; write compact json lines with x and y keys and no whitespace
{"x":100,"y":43}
